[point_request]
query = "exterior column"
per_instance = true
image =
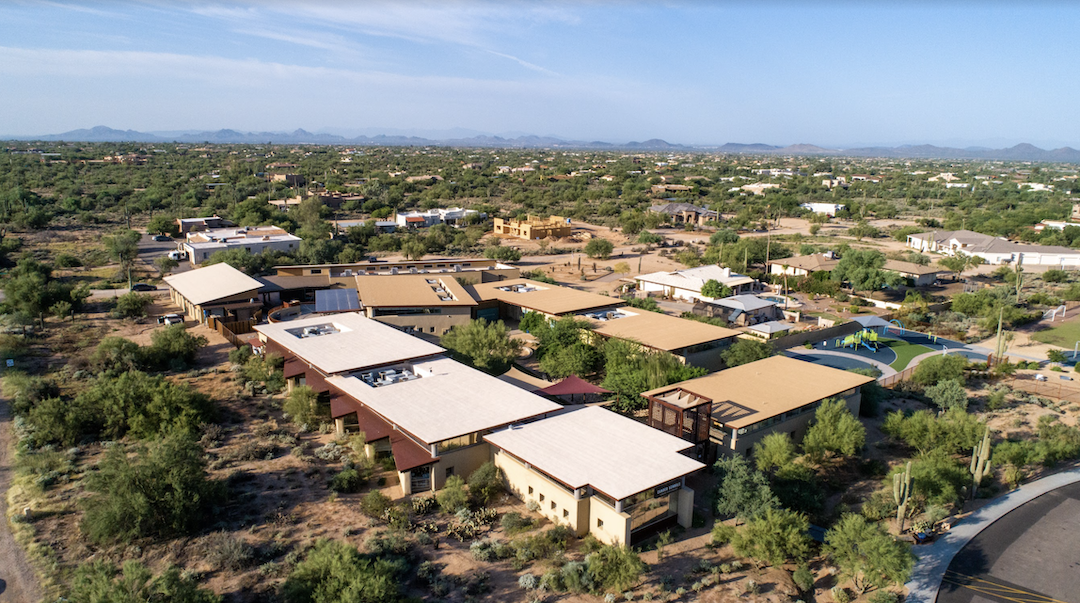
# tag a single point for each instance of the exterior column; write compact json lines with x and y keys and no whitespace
{"x":339,"y":426}
{"x":405,"y":477}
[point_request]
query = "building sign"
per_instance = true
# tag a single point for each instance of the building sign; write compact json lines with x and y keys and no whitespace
{"x":668,"y":488}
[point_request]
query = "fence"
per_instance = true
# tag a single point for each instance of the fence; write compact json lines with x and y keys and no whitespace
{"x":1062,"y":391}
{"x":797,"y":339}
{"x":891,"y":380}
{"x":230,"y":330}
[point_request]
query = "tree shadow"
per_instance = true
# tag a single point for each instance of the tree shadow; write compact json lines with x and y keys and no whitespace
{"x":971,"y":561}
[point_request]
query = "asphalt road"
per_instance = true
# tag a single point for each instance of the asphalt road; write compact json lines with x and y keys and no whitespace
{"x":1031,"y":555}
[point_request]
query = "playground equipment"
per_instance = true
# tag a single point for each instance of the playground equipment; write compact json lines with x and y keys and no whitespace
{"x":1053,"y":312}
{"x":866,"y":338}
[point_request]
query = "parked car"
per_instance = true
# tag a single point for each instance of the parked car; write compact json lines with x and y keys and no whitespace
{"x":143,"y":287}
{"x":162,"y":238}
{"x":170,"y":319}
{"x":178,"y":254}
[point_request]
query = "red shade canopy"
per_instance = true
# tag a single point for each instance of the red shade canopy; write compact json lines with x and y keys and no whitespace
{"x":572,"y":385}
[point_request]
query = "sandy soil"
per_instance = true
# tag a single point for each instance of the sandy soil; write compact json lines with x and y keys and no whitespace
{"x":18,"y":584}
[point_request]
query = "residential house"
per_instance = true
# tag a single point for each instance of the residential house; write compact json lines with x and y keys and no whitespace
{"x":735,"y":408}
{"x":252,"y":239}
{"x":511,"y":299}
{"x":745,"y":310}
{"x":218,"y":290}
{"x":416,"y":303}
{"x":469,"y":270}
{"x":186,"y":225}
{"x":531,"y":228}
{"x":685,"y":213}
{"x":828,"y":209}
{"x":994,"y":250}
{"x":686,"y":284}
{"x":599,"y":473}
{"x":453,"y":216}
{"x":407,"y":398}
{"x":804,"y":265}
{"x":694,"y":343}
{"x":916,"y":275}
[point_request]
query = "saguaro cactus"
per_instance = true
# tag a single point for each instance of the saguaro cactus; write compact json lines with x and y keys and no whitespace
{"x":980,"y":462}
{"x":902,"y":494}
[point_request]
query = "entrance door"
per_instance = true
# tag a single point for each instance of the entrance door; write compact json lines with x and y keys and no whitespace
{"x":420,"y":479}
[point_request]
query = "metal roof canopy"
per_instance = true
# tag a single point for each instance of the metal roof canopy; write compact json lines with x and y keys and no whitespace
{"x":337,"y":300}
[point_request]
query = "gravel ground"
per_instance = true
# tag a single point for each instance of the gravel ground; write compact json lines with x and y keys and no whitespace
{"x":17,"y":581}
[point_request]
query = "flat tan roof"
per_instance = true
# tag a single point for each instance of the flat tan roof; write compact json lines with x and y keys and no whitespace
{"x":448,"y":400}
{"x":412,"y":290}
{"x":660,"y":331}
{"x":596,"y":447}
{"x":542,"y":297}
{"x":346,"y":342}
{"x":746,"y":394}
{"x":211,"y":283}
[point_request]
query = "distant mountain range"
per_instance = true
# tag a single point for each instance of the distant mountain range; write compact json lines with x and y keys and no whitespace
{"x":1020,"y":152}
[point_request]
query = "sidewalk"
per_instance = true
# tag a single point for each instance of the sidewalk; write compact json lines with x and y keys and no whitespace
{"x":935,"y":558}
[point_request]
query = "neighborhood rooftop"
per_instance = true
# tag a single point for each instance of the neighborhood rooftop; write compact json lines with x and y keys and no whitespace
{"x":346,"y":342}
{"x":655,"y":330}
{"x":595,"y":447}
{"x":214,"y":282}
{"x":695,"y":278}
{"x":412,"y":290}
{"x":752,"y":392}
{"x":548,"y":299}
{"x":446,"y":400}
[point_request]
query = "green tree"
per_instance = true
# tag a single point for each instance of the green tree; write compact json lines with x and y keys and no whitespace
{"x":123,"y":246}
{"x":173,"y":347}
{"x":132,"y":305}
{"x":773,"y":452}
{"x":502,"y":253}
{"x":947,"y":394}
{"x":630,"y":369}
{"x":745,"y":351}
{"x":486,"y":483}
{"x":774,"y":537}
{"x":302,"y":406}
{"x":868,"y":554}
{"x":961,"y":262}
{"x":862,"y":270}
{"x":100,"y":581}
{"x":165,"y":264}
{"x":834,"y":430}
{"x":863,"y":229}
{"x":936,"y":369}
{"x":161,"y":224}
{"x":531,"y":321}
{"x":486,"y":345}
{"x":954,"y":431}
{"x":615,"y":568}
{"x":599,"y":248}
{"x":741,"y":491}
{"x":161,"y":491}
{"x":576,"y":359}
{"x":453,"y":497}
{"x":335,"y":572}
{"x":715,"y":289}
{"x":724,"y":236}
{"x":413,"y":249}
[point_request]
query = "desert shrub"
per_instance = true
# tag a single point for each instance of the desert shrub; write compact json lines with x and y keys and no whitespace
{"x":490,"y":549}
{"x":774,"y":537}
{"x":722,"y":534}
{"x":948,"y":394}
{"x":803,"y":578}
{"x":240,"y":355}
{"x":101,"y":582}
{"x":162,"y":490}
{"x":614,"y":568}
{"x":131,"y":305}
{"x":347,"y":480}
{"x":336,"y":572}
{"x":227,"y":551}
{"x":954,"y":431}
{"x":936,"y":369}
{"x":884,"y":596}
{"x":575,"y":577}
{"x":116,"y":355}
{"x":453,"y":496}
{"x":514,"y":523}
{"x":172,"y":348}
{"x":486,"y":483}
{"x":302,"y":406}
{"x":937,"y":476}
{"x":27,"y":390}
{"x":375,"y":504}
{"x":527,"y":581}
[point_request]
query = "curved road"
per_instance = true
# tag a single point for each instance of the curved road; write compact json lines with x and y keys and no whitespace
{"x":17,"y":581}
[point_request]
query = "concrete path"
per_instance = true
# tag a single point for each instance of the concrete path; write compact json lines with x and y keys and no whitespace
{"x":886,"y":370}
{"x":935,"y":558}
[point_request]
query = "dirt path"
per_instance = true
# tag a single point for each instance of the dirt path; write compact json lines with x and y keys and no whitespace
{"x":17,"y":581}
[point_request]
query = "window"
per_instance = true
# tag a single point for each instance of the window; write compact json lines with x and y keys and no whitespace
{"x":530,"y":489}
{"x":314,"y":270}
{"x":431,"y":330}
{"x":541,"y":498}
{"x":449,"y":472}
{"x":565,"y":513}
{"x":553,"y":505}
{"x":599,"y":522}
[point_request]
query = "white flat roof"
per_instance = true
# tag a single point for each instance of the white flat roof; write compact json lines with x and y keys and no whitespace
{"x":447,"y":401}
{"x":353,"y":342}
{"x":596,"y":447}
{"x":211,"y":283}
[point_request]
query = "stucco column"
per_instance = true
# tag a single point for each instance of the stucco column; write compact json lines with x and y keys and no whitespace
{"x":339,"y":426}
{"x":405,"y":477}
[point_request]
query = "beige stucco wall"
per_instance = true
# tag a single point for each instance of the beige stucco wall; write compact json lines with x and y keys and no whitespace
{"x":686,"y":507}
{"x":616,"y":528}
{"x":519,"y":479}
{"x":463,"y":460}
{"x":796,"y":426}
{"x":441,"y":323}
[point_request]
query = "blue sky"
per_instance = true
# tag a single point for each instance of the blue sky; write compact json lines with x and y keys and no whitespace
{"x":829,"y":73}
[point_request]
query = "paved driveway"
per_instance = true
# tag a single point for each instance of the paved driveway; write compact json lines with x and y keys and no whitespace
{"x":1030,"y":555}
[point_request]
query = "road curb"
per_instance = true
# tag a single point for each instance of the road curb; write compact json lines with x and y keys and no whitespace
{"x":935,"y":558}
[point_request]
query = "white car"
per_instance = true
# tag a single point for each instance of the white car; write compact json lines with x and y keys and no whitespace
{"x":179,"y":254}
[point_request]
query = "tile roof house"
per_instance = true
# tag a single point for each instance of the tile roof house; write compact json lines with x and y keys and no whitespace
{"x":686,"y":284}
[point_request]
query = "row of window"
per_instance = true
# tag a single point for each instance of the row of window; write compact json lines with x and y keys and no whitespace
{"x":554,"y":506}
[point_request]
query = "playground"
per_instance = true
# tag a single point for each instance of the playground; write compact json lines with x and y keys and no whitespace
{"x":880,"y":347}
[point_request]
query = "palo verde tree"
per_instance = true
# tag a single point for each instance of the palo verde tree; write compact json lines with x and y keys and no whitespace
{"x":868,"y":554}
{"x":862,"y":270}
{"x":834,"y":430}
{"x":486,"y":345}
{"x":123,"y":246}
{"x":741,"y":490}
